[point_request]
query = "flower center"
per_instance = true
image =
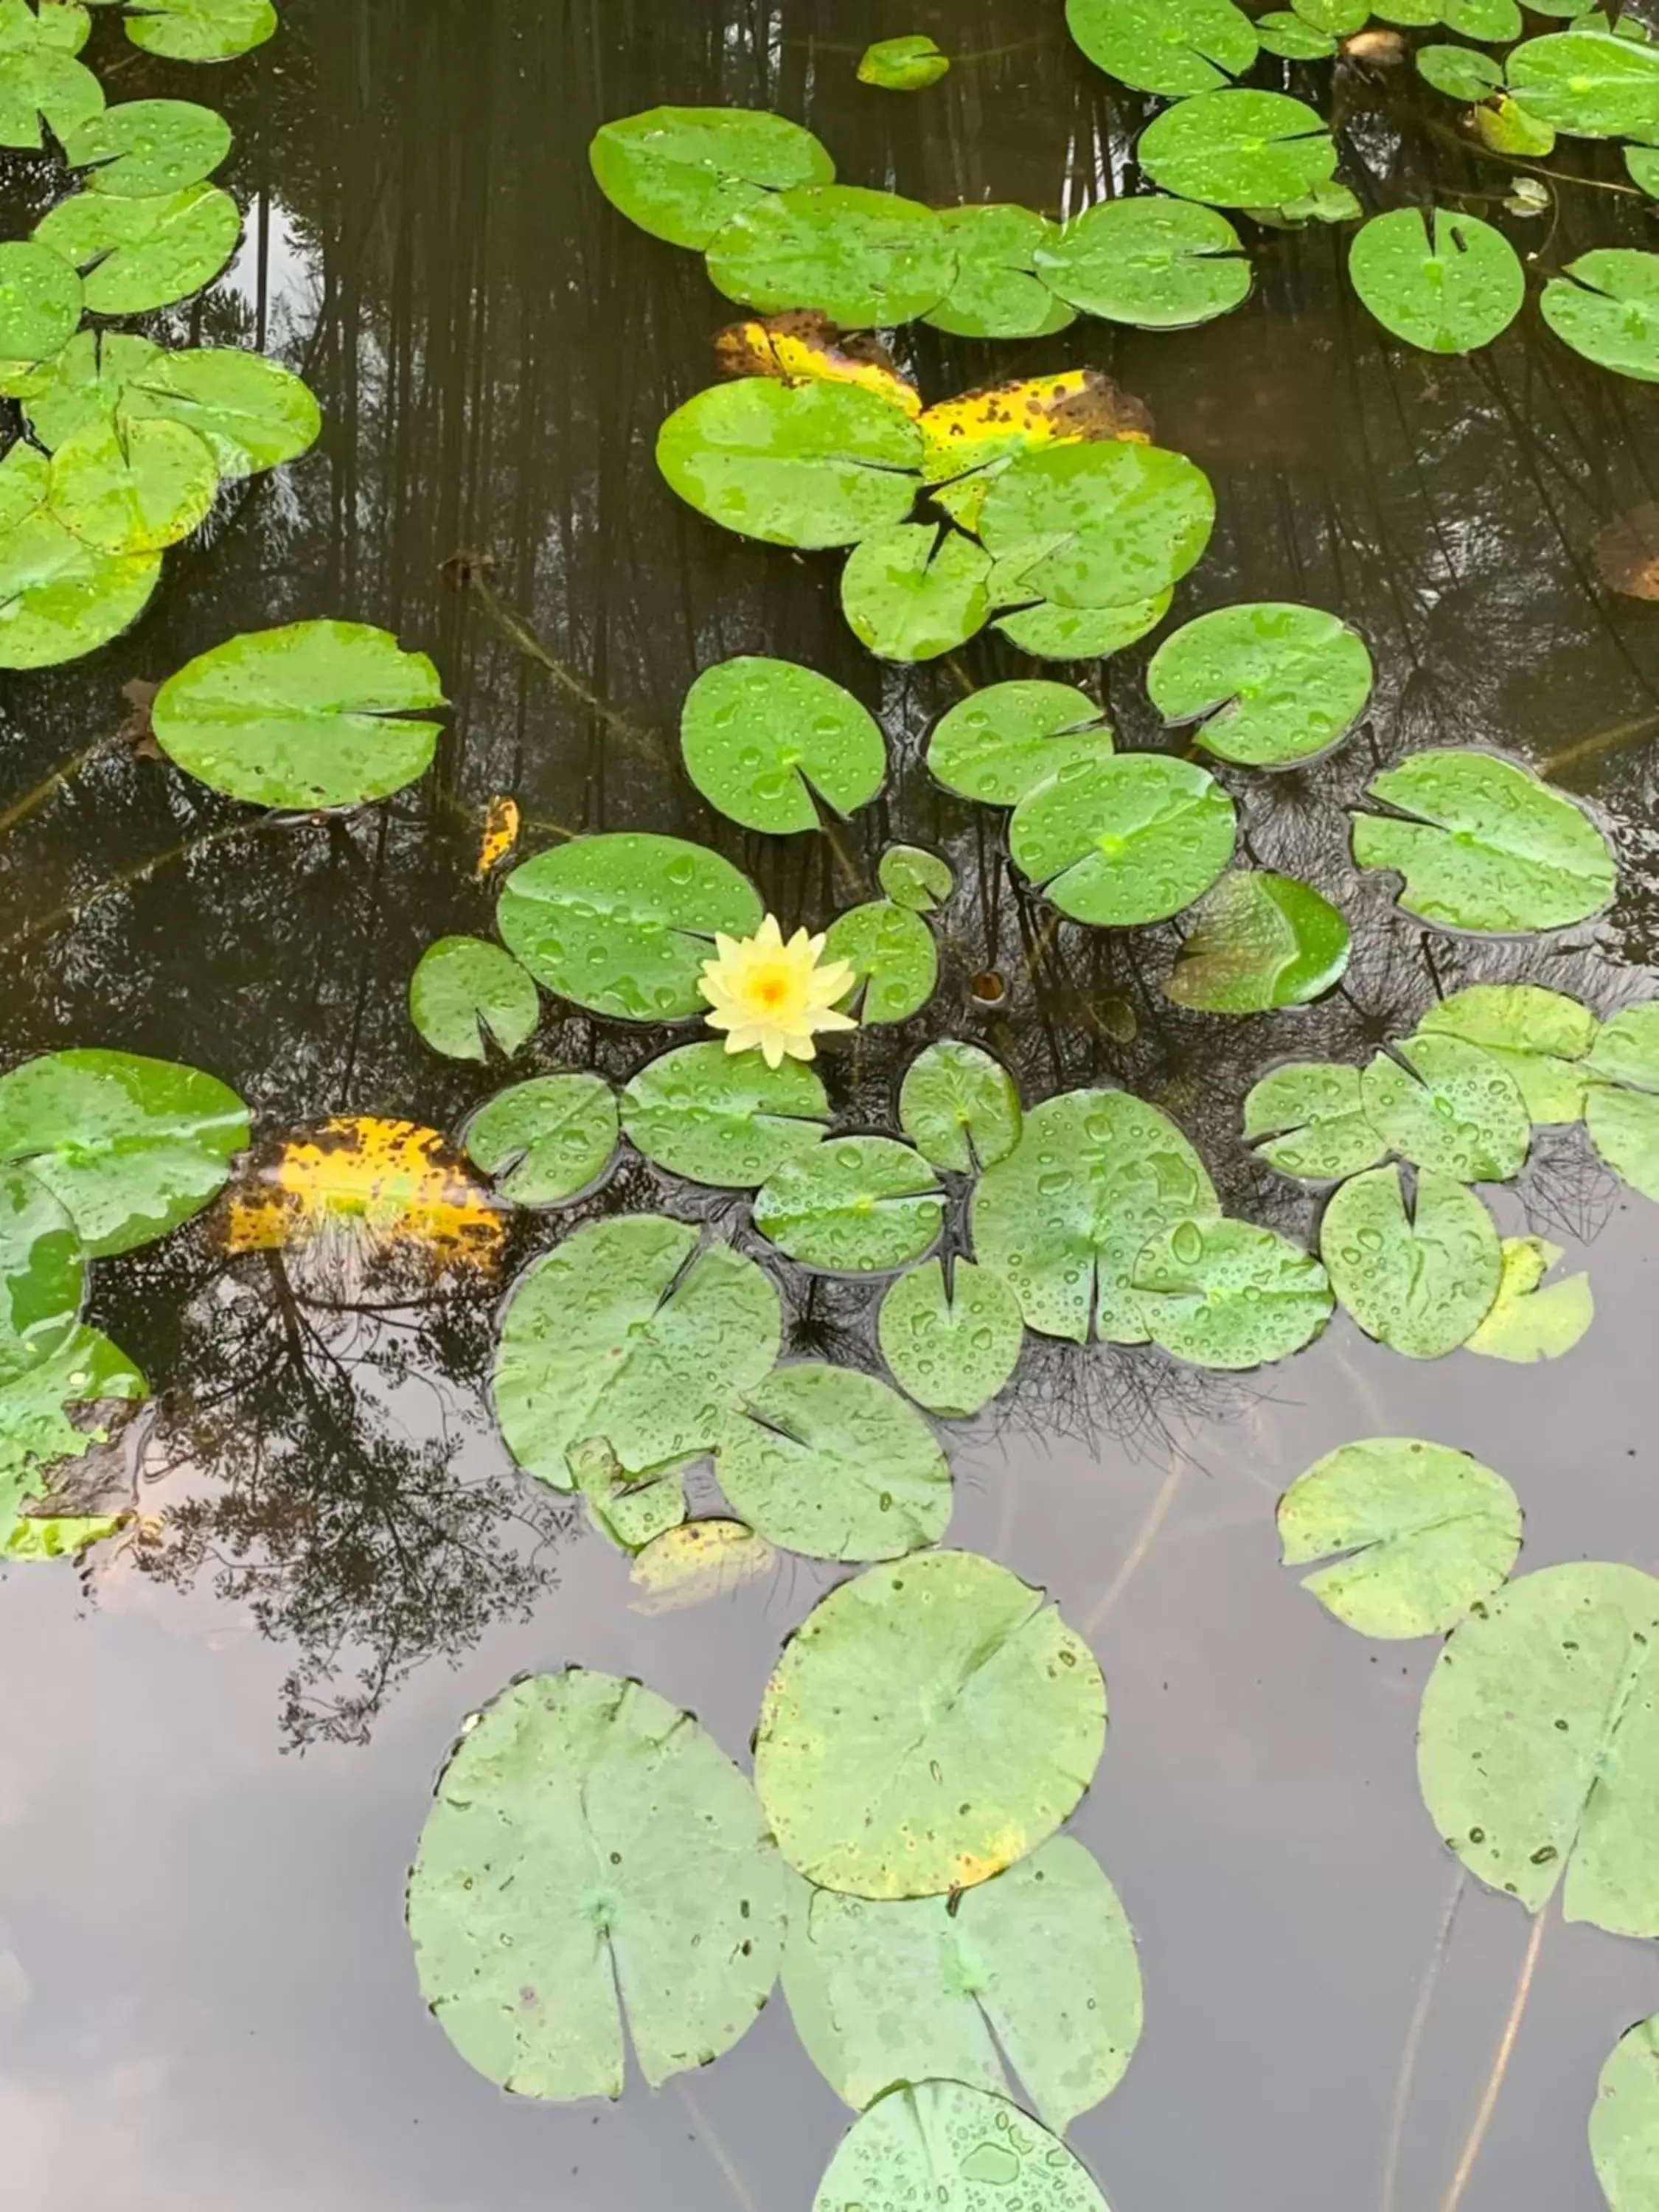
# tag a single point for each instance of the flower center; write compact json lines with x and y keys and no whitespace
{"x":771,"y":987}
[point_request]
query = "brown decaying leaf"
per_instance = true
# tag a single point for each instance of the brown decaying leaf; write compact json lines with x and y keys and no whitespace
{"x":804,"y":347}
{"x":1627,"y":553}
{"x":394,"y":1186}
{"x":1079,"y":405}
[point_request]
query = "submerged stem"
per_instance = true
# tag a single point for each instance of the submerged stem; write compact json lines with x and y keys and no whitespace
{"x":1419,"y":2020}
{"x":1500,"y":2067}
{"x":73,"y":909}
{"x":717,"y":2150}
{"x":1617,"y":733}
{"x":21,"y":809}
{"x":1156,"y":1515}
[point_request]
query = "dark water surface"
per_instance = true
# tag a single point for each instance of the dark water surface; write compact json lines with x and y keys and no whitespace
{"x":211,"y":1779}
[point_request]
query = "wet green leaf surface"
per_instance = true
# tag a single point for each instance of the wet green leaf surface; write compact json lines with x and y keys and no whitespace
{"x":1447,"y":282}
{"x":1624,"y":1127}
{"x":1540,"y":1036}
{"x":39,"y":301}
{"x":1228,"y":1294}
{"x":1460,"y":72}
{"x":861,"y":258}
{"x":1447,"y":1105}
{"x":41,"y":85}
{"x":1260,"y":941}
{"x":1589,"y":84}
{"x":1005,"y":739}
{"x":200,"y":30}
{"x":1171,"y":46}
{"x":132,"y":489}
{"x":1420,"y":1281}
{"x":59,"y":598}
{"x":894,"y":960}
{"x":145,"y":147}
{"x":903,"y":64}
{"x":1158,"y":264}
{"x":853,"y":1205}
{"x":38,"y":1438}
{"x":467,"y":994}
{"x":911,"y":875}
{"x":959,"y":1107}
{"x":1099,"y":526}
{"x":1269,"y":684}
{"x":1239,"y":149}
{"x":810,"y":465}
{"x":681,"y":172}
{"x":965,"y":2148}
{"x":760,"y":736}
{"x":724,"y":1118}
{"x":1624,"y":2123}
{"x":136,"y":254}
{"x":547,"y":1139}
{"x":915,"y":591}
{"x":1531,"y":1320}
{"x":43,"y":1274}
{"x":997,"y":291}
{"x":1130,"y":840}
{"x":252,"y":413}
{"x":1606,"y":307}
{"x":953,"y":1353}
{"x":1309,"y":1119}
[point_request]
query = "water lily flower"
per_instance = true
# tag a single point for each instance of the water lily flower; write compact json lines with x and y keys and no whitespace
{"x":771,"y":997}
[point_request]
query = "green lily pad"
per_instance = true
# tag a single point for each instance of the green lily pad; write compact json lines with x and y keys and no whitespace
{"x":809,"y":465}
{"x":1237,"y":148}
{"x":58,"y":597}
{"x":1227,"y":1294}
{"x":200,"y":30}
{"x":134,"y":255}
{"x":953,"y":1350}
{"x":1527,"y":1803}
{"x":1492,"y":848}
{"x":1269,"y":684}
{"x":1000,"y":743}
{"x":1037,"y":1967}
{"x":1420,"y":1535}
{"x":546,"y":1140}
{"x":1540,"y":1037}
{"x":998,"y":291}
{"x":928,"y":1724}
{"x":1624,"y":1127}
{"x":1588,"y":84}
{"x":622,"y":923}
{"x":911,"y":875}
{"x":956,"y":2148}
{"x":130,"y":1146}
{"x":1048,"y":632}
{"x":467,"y":993}
{"x":1505,"y":127}
{"x":81,"y":386}
{"x":761,"y":736}
{"x":310,"y":715}
{"x":43,"y":1274}
{"x":36,"y":1436}
{"x":1446,"y":282}
{"x":1171,"y":46}
{"x":1158,"y":264}
{"x":630,"y":1511}
{"x":832,"y":1463}
{"x":146,"y":148}
{"x":1095,"y":1177}
{"x":1461,"y":72}
{"x":724,"y":1118}
{"x":57,"y":25}
{"x":862,"y":258}
{"x":1497,"y":22}
{"x":681,"y":172}
{"x":904,"y":65}
{"x":1309,"y":1119}
{"x":1325,"y":203}
{"x":915,"y":590}
{"x":41,"y":83}
{"x":1643,"y":163}
{"x":1420,"y":1282}
{"x":134,"y":489}
{"x":1624,"y":2122}
{"x":592,"y":1856}
{"x":1606,"y":307}
{"x":1531,"y":1320}
{"x":629,"y":1332}
{"x":1447,"y":1105}
{"x":1260,"y":941}
{"x":894,"y":960}
{"x":252,"y":412}
{"x":856,"y":1206}
{"x":1130,"y":840}
{"x":1282,"y":31}
{"x":39,"y":301}
{"x":1341,"y":18}
{"x":1626,"y":1048}
{"x":959,"y":1107}
{"x":1102,"y":524}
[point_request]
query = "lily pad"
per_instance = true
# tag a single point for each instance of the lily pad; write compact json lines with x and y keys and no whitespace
{"x":1624,"y":1127}
{"x":37,"y":1435}
{"x":1341,"y":18}
{"x":894,"y":960}
{"x":1282,"y":31}
{"x":681,"y":172}
{"x":724,"y":1118}
{"x":1642,"y":164}
{"x":58,"y":597}
{"x":200,"y":30}
{"x":1531,"y":1320}
{"x":1447,"y":1105}
{"x":903,"y":64}
{"x":1130,"y":840}
{"x":1495,"y":20}
{"x":959,"y":1107}
{"x":915,"y":591}
{"x":1260,"y":941}
{"x":1420,"y":1282}
{"x":1626,"y":1048}
{"x":1606,"y":307}
{"x":832,"y":1463}
{"x":1227,"y":1294}
{"x":853,"y":1205}
{"x":911,"y":875}
{"x":43,"y":1274}
{"x":252,"y":413}
{"x":1505,"y":127}
{"x":630,"y":1511}
{"x":998,"y":291}
{"x":970,"y":440}
{"x":1171,"y":46}
{"x":310,"y":715}
{"x":132,"y":489}
{"x":760,"y":736}
{"x":928,"y":1724}
{"x":592,"y":1856}
{"x":1461,"y":72}
{"x":1099,"y":525}
{"x":953,"y":1350}
{"x":467,"y":993}
{"x":1237,"y":148}
{"x":1000,"y":743}
{"x":1446,"y":282}
{"x":130,"y":1146}
{"x":622,"y":923}
{"x":1158,"y":264}
{"x":1588,"y":84}
{"x":629,"y":1333}
{"x":41,"y":83}
{"x":956,"y":2148}
{"x":1309,"y":1119}
{"x":39,"y":301}
{"x":81,"y":386}
{"x":546,"y":1140}
{"x":1424,"y":1534}
{"x":862,"y":258}
{"x":808,"y":464}
{"x":1540,"y":1037}
{"x":1095,"y":1177}
{"x":136,"y":255}
{"x":696,"y":1561}
{"x":1624,"y":2123}
{"x":1492,"y":848}
{"x":146,"y":148}
{"x":1038,"y":1968}
{"x":1536,"y":1743}
{"x":1269,"y":684}
{"x":1048,"y":632}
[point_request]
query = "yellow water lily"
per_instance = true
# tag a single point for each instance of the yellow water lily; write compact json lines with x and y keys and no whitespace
{"x":771,"y":997}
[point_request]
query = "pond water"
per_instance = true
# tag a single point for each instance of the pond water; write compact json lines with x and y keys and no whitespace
{"x":216,"y":1771}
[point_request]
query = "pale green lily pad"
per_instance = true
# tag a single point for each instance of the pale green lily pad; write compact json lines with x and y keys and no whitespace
{"x":952,"y":1350}
{"x":760,"y":736}
{"x":1624,"y":1127}
{"x":39,"y":301}
{"x":50,"y":26}
{"x":146,"y":148}
{"x":681,"y":172}
{"x":1492,"y":848}
{"x":1309,"y":1119}
{"x":1505,"y":127}
{"x":954,"y":2147}
{"x":724,"y":1118}
{"x":1282,"y":31}
{"x":60,"y":1535}
{"x":959,"y":1107}
{"x":132,"y":488}
{"x":1531,"y":1320}
{"x":1642,"y":164}
{"x":915,"y":590}
{"x":998,"y":291}
{"x":1099,"y":525}
{"x":854,"y":1205}
{"x":82,"y":385}
{"x":1095,"y":1177}
{"x":1606,"y":307}
{"x":1227,"y":1294}
{"x":1624,"y":2122}
{"x":593,"y":1855}
{"x":1260,"y":941}
{"x":698,"y":1560}
{"x":200,"y":30}
{"x":546,"y":1140}
{"x":311,"y":714}
{"x":1270,"y":684}
{"x":37,"y":1435}
{"x":1588,"y":84}
{"x":629,"y":1332}
{"x":862,"y":258}
{"x":43,"y":1274}
{"x":630,"y":1511}
{"x":832,"y":1463}
{"x":911,"y":875}
{"x":466,"y":994}
{"x":1540,"y":1037}
{"x":1420,"y":1282}
{"x":622,"y":923}
{"x":1538,"y":1744}
{"x":1002,"y":742}
{"x":1038,"y":1968}
{"x":929,"y":1723}
{"x":1157,"y":263}
{"x":1237,"y":148}
{"x":809,"y":464}
{"x":1327,"y":203}
{"x":252,"y":413}
{"x":903,"y":64}
{"x":1626,"y":1048}
{"x":40,"y":84}
{"x":1171,"y":46}
{"x":1447,"y":1105}
{"x":1341,"y":18}
{"x":1446,"y":282}
{"x":894,"y":960}
{"x":58,"y":597}
{"x":1425,"y":1533}
{"x":1497,"y":22}
{"x":1130,"y":840}
{"x":130,"y":1146}
{"x":1461,"y":72}
{"x":136,"y":255}
{"x":1048,"y":632}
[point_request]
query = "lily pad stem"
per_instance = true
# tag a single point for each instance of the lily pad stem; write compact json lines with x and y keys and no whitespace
{"x":1500,"y":2067}
{"x":1617,"y":734}
{"x":73,"y":908}
{"x":1419,"y":2020}
{"x":1484,"y":153}
{"x":21,"y":809}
